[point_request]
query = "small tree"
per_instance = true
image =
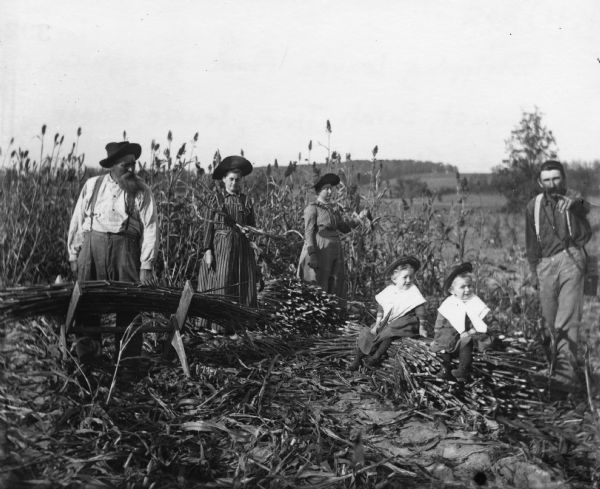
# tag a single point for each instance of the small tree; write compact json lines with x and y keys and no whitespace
{"x":529,"y":145}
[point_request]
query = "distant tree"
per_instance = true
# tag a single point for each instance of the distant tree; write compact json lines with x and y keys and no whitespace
{"x":529,"y":145}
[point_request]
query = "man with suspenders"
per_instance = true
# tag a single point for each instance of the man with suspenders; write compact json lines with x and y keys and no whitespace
{"x":113,"y":236}
{"x":556,"y":232}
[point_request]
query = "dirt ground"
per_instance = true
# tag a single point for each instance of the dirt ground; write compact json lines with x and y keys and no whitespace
{"x":270,"y":412}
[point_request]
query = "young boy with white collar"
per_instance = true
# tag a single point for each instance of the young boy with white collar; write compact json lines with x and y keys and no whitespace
{"x":459,"y":322}
{"x":400,"y":314}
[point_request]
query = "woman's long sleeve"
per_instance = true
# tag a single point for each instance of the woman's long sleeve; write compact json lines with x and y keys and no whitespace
{"x":251,"y":215}
{"x":310,"y":228}
{"x":209,"y":224}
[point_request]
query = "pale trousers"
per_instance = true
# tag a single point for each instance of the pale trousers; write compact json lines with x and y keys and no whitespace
{"x":561,"y":278}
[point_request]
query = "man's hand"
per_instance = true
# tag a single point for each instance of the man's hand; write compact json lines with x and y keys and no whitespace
{"x":147,"y":278}
{"x":375,"y":327}
{"x":74,"y":269}
{"x":208,"y":258}
{"x":422,"y":330}
{"x":564,"y":203}
{"x":313,"y":262}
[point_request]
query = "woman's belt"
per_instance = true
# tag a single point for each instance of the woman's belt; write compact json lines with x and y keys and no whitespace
{"x":328,"y":233}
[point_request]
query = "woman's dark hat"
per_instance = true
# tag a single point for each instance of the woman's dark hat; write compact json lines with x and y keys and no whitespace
{"x":402,"y":261}
{"x":232,"y":163}
{"x":327,"y":179}
{"x":115,"y":151}
{"x":455,"y":272}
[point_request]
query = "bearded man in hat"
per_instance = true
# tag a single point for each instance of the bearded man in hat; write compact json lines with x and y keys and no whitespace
{"x":113,"y":236}
{"x":229,"y":264}
{"x":557,"y":230}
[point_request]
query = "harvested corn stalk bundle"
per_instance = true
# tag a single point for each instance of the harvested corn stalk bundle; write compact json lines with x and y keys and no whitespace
{"x":295,"y":307}
{"x":503,"y":381}
{"x":109,"y":297}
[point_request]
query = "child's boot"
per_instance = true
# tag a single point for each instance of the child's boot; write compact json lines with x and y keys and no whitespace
{"x":375,"y":359}
{"x":358,"y":358}
{"x":446,"y":372}
{"x":465,"y":359}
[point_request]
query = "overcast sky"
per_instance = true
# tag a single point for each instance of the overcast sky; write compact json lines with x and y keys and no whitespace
{"x":433,"y":80}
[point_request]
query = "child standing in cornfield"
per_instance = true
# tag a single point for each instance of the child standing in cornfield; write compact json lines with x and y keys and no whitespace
{"x":460,"y":324}
{"x":400,"y":313}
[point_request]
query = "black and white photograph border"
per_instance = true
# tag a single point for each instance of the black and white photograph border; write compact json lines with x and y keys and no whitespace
{"x":299,"y":244}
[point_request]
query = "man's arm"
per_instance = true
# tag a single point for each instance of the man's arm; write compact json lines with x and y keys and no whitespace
{"x":74,"y":238}
{"x":532,"y":245}
{"x":149,"y":238}
{"x":579,"y":206}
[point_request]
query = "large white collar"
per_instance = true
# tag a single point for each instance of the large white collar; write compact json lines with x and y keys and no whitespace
{"x":398,"y":302}
{"x":455,"y":311}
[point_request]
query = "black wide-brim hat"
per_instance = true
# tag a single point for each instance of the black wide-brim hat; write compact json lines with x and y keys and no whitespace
{"x":115,"y":151}
{"x":327,"y":179}
{"x":232,"y":163}
{"x":455,"y":272}
{"x":402,"y":261}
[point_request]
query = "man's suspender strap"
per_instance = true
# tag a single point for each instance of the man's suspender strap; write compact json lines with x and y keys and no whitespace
{"x":537,"y":210}
{"x":94,"y":198}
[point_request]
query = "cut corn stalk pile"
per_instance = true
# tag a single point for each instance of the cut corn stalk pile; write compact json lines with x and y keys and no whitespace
{"x":287,"y":305}
{"x":267,"y":411}
{"x":504,"y":381}
{"x":296,"y":307}
{"x":108,"y":297}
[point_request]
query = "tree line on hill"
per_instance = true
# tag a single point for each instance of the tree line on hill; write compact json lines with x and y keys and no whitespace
{"x":530,"y":143}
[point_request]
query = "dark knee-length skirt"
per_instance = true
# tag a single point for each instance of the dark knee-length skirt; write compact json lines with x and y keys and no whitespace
{"x":402,"y":327}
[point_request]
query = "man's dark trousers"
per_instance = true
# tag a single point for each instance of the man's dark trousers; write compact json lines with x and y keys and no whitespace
{"x":114,"y":257}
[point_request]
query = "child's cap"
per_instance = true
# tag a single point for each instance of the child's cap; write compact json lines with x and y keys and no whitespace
{"x":455,"y":272}
{"x":402,"y":261}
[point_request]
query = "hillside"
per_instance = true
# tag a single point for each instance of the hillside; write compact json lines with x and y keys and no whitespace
{"x":405,"y":178}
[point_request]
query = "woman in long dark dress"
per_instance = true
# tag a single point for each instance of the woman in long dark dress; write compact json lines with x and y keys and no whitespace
{"x":229,"y":264}
{"x":322,"y":256}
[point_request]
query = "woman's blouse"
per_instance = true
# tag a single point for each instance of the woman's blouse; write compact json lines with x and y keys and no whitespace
{"x":324,"y":219}
{"x":223,"y":212}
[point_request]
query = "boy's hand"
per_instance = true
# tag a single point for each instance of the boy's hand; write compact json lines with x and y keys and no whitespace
{"x":423,"y":331}
{"x":375,"y":327}
{"x":465,"y":335}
